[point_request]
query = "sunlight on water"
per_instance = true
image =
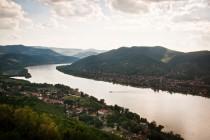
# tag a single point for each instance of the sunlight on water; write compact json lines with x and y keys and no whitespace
{"x":184,"y":114}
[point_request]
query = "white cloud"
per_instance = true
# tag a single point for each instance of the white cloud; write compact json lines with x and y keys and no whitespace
{"x":124,"y":23}
{"x":74,"y":8}
{"x":11,"y":14}
{"x":163,"y":0}
{"x":204,"y":39}
{"x":197,"y":13}
{"x":139,"y":6}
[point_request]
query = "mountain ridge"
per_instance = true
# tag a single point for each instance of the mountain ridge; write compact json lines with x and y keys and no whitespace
{"x":13,"y":58}
{"x":155,"y":67}
{"x":79,"y":53}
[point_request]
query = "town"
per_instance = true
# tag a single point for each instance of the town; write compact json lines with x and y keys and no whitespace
{"x":164,"y":83}
{"x":82,"y":107}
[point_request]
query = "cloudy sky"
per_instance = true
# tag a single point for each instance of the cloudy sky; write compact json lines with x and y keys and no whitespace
{"x":182,"y":25}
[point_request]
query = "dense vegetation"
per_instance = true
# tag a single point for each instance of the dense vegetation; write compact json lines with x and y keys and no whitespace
{"x":24,"y":115}
{"x":155,"y":67}
{"x":147,"y":61}
{"x":14,"y":58}
{"x":25,"y":124}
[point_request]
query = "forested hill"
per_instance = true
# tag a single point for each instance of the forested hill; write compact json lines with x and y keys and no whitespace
{"x":147,"y":67}
{"x":135,"y":60}
{"x":13,"y":58}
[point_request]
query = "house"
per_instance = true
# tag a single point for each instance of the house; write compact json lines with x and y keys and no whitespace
{"x":79,"y":110}
{"x":103,"y":112}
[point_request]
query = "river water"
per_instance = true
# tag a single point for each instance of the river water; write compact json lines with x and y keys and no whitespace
{"x":183,"y":114}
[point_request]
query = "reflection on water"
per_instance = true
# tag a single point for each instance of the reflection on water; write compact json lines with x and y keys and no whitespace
{"x":184,"y":114}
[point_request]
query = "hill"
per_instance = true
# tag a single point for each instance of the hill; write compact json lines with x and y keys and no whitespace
{"x":135,"y":60}
{"x":42,"y":111}
{"x":156,"y":67}
{"x":24,"y":117}
{"x":191,"y":66}
{"x":13,"y":58}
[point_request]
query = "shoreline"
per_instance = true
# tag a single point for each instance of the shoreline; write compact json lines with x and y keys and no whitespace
{"x":191,"y":87}
{"x":81,"y":106}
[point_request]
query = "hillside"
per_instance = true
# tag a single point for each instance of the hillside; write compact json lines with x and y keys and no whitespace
{"x":193,"y":65}
{"x":42,"y":111}
{"x":135,"y":60}
{"x":154,"y":67}
{"x":13,"y":58}
{"x":25,"y":117}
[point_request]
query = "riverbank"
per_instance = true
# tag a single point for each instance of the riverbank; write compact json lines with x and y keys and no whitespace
{"x":192,"y":87}
{"x":79,"y":106}
{"x":167,"y":109}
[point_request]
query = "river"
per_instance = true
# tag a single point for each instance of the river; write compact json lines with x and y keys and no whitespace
{"x":183,"y":114}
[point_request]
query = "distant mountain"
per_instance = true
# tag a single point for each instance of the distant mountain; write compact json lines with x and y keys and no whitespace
{"x":79,"y":53}
{"x":13,"y":58}
{"x":156,"y":67}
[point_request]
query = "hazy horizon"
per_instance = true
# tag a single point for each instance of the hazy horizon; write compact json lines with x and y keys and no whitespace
{"x":181,"y":25}
{"x":93,"y":48}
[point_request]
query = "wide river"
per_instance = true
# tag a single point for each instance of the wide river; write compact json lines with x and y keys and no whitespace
{"x":183,"y":114}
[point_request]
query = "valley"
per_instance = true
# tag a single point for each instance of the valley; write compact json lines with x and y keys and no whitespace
{"x":173,"y":111}
{"x":156,"y":67}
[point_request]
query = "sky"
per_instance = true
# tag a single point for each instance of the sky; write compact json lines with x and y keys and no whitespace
{"x":182,"y":25}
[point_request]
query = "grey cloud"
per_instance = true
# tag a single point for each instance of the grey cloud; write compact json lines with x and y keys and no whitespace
{"x":136,"y":6}
{"x":189,"y":10}
{"x":129,"y":6}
